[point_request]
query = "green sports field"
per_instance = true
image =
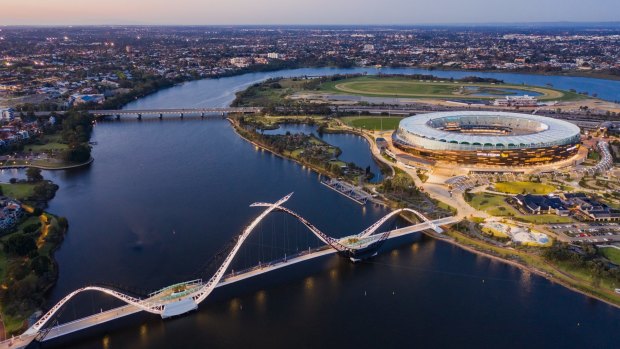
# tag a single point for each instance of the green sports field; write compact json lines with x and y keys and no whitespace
{"x":373,"y":122}
{"x":524,"y":188}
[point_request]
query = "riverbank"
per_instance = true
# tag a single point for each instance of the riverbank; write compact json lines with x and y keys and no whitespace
{"x":28,"y":270}
{"x":47,"y":168}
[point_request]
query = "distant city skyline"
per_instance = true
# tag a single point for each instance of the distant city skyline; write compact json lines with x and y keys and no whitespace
{"x":273,"y":12}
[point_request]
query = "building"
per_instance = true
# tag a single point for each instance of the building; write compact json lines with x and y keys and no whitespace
{"x":7,"y":114}
{"x":78,"y":99}
{"x":516,"y":101}
{"x":241,"y":62}
{"x":261,"y":60}
{"x":273,"y":55}
{"x":543,"y":204}
{"x":592,"y":208}
{"x":487,"y":138}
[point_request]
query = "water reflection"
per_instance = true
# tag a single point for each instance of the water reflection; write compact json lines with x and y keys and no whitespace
{"x":143,"y":332}
{"x":261,"y":298}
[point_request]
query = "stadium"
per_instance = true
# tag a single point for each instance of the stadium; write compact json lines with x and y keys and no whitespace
{"x":487,"y":138}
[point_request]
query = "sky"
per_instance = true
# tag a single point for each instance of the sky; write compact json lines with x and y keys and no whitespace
{"x":222,"y":12}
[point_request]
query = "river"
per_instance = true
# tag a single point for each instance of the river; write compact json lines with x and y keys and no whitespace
{"x":163,"y":196}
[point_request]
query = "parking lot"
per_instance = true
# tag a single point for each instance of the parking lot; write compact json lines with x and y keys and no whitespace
{"x":588,"y":232}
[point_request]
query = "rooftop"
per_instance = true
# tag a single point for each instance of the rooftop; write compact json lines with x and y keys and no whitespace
{"x":524,"y":129}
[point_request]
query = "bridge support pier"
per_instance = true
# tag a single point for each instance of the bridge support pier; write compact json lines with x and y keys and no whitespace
{"x":139,"y":116}
{"x":118,"y":117}
{"x":181,"y":115}
{"x":202,"y":115}
{"x":161,"y":116}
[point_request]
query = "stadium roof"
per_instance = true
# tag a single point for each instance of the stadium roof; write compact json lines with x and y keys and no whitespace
{"x":544,"y":130}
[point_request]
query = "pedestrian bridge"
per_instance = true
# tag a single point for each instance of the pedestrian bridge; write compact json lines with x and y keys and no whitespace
{"x":184,"y":297}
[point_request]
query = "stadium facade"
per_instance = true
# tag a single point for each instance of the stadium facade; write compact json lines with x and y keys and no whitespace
{"x":487,"y":138}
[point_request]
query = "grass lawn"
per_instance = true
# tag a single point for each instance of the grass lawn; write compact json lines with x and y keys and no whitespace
{"x":524,"y":188}
{"x":373,"y":123}
{"x":404,"y":87}
{"x":613,"y":254}
{"x":19,"y":191}
{"x":496,"y":205}
{"x":42,"y":148}
{"x":339,"y":163}
{"x":50,"y":143}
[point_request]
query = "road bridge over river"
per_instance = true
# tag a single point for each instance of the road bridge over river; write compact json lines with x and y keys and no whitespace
{"x":202,"y":112}
{"x":184,"y":297}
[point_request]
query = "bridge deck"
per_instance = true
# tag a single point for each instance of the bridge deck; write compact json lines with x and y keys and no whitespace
{"x":173,"y":111}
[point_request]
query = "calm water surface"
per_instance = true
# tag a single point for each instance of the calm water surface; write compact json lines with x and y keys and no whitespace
{"x":162,"y":197}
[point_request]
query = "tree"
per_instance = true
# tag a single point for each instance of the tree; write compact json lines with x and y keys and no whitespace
{"x":40,"y":190}
{"x":63,"y":222}
{"x":20,"y":244}
{"x":34,"y":174}
{"x":78,"y":153}
{"x":41,"y":264}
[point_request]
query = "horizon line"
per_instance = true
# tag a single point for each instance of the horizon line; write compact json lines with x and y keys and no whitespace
{"x":443,"y":24}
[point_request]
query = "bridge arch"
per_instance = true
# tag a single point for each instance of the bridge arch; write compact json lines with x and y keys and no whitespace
{"x":328,"y":240}
{"x":145,"y":305}
{"x":373,"y":228}
{"x":206,"y":290}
